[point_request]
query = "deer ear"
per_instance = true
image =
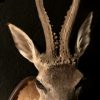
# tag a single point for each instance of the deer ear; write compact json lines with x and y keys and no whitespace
{"x":23,"y":43}
{"x":83,"y":38}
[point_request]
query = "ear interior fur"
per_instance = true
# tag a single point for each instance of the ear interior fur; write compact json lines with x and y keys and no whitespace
{"x":23,"y":43}
{"x":83,"y":38}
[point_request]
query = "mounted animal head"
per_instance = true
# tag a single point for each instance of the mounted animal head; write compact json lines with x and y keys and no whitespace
{"x":58,"y":74}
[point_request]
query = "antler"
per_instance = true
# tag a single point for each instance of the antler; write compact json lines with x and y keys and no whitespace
{"x":27,"y":48}
{"x":66,"y":29}
{"x":46,"y":27}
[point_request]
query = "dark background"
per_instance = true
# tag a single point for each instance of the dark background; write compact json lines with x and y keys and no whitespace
{"x":23,"y":13}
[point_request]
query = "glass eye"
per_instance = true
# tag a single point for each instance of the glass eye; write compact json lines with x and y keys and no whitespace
{"x":40,"y":85}
{"x":80,"y":84}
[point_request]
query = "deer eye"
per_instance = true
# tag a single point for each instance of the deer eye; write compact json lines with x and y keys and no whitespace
{"x":40,"y":85}
{"x":80,"y":85}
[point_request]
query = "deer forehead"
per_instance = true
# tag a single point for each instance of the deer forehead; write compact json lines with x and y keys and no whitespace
{"x":60,"y":75}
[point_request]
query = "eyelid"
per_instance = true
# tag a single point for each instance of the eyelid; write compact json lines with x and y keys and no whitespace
{"x":40,"y":85}
{"x":81,"y":83}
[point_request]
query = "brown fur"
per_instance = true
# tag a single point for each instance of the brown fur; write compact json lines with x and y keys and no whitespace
{"x":58,"y":74}
{"x":29,"y":92}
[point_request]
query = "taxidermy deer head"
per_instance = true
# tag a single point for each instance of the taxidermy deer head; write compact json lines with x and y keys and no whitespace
{"x":58,"y":74}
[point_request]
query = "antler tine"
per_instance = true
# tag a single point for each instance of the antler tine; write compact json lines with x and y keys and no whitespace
{"x":66,"y":29}
{"x":46,"y":26}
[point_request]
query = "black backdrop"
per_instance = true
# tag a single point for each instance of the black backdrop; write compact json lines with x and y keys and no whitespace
{"x":23,"y":13}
